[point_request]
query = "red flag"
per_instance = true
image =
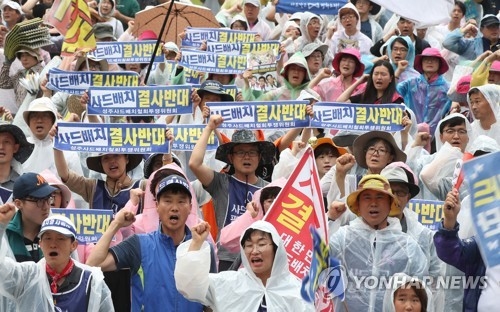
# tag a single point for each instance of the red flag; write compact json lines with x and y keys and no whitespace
{"x":299,"y":205}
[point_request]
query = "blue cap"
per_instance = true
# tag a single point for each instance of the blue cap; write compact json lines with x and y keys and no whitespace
{"x":170,"y":181}
{"x":31,"y":184}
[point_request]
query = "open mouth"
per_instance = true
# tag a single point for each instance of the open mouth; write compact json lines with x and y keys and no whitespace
{"x":256,"y":261}
{"x":53,"y":254}
{"x":374,"y":213}
{"x":174,"y":219}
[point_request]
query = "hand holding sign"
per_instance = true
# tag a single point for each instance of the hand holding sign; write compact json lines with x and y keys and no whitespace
{"x":451,"y":209}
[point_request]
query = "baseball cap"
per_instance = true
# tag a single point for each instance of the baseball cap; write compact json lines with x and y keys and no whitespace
{"x":253,"y":2}
{"x":59,"y":224}
{"x":170,"y":181}
{"x":31,"y":184}
{"x":489,"y":19}
{"x":13,"y":5}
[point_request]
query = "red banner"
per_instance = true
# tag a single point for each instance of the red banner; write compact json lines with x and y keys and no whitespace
{"x":298,"y":205}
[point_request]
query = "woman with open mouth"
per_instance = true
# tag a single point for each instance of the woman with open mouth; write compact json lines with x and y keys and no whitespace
{"x":380,"y":87}
{"x":263,"y":284}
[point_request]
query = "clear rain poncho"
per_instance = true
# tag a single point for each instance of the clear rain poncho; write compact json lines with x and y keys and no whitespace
{"x":409,"y":72}
{"x":436,"y":173}
{"x":340,"y":40}
{"x":27,"y":284}
{"x":369,"y":256}
{"x":429,"y":100}
{"x":239,"y":290}
{"x":491,"y":93}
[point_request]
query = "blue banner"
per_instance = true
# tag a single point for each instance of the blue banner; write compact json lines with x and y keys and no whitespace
{"x":330,"y":7}
{"x":127,"y":52}
{"x":483,"y":177}
{"x":195,"y":36}
{"x":261,"y":115}
{"x":76,"y":82}
{"x":186,"y":136}
{"x":243,"y":48}
{"x":117,"y":138}
{"x":429,"y":212}
{"x":213,"y":63}
{"x":361,"y":117}
{"x":90,"y":223}
{"x":141,"y":101}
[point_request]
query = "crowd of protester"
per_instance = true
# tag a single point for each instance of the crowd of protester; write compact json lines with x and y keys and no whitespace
{"x":187,"y":232}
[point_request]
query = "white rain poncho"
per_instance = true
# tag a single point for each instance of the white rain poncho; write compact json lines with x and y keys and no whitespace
{"x":340,"y":40}
{"x":491,"y":93}
{"x":400,"y":279}
{"x":27,"y":284}
{"x":305,"y":39}
{"x":369,"y":254}
{"x":436,"y":171}
{"x":238,"y":290}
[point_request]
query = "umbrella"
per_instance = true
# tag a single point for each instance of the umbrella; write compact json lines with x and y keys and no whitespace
{"x":182,"y":16}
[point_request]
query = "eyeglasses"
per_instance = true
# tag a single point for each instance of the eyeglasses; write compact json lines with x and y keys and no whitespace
{"x":242,"y":154}
{"x":460,"y":132}
{"x":348,"y":17}
{"x":260,"y":247}
{"x":400,"y":50}
{"x":40,"y":202}
{"x":372,"y":150}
